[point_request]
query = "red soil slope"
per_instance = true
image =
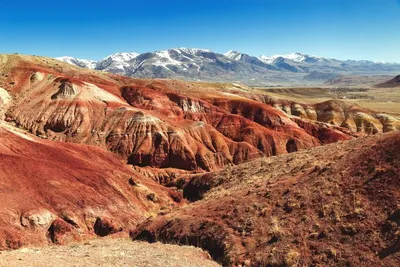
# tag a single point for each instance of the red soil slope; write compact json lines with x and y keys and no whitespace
{"x":59,"y":192}
{"x":336,"y":205}
{"x":151,"y":123}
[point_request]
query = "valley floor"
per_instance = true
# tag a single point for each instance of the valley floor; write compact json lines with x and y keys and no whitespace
{"x":107,"y":252}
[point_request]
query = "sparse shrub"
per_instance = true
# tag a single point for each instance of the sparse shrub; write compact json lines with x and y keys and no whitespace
{"x":132,"y":182}
{"x":349,"y":230}
{"x":331,"y":253}
{"x":292,"y":258}
{"x":263,"y":212}
{"x":152,"y":197}
{"x":275,"y":230}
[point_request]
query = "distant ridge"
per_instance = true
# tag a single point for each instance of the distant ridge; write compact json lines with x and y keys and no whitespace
{"x":233,"y":66}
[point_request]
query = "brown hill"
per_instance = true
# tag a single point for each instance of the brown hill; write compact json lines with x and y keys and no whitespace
{"x":336,"y":205}
{"x":357,"y":80}
{"x":54,"y":190}
{"x":60,"y":192}
{"x":395,"y":82}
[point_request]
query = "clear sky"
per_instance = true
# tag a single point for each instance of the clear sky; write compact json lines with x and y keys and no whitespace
{"x":344,"y":29}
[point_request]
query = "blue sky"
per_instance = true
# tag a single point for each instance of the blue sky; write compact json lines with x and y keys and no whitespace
{"x":344,"y":29}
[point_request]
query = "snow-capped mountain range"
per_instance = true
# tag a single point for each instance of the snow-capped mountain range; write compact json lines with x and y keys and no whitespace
{"x":203,"y":64}
{"x":83,"y":63}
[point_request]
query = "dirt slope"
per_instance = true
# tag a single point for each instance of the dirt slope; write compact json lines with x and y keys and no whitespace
{"x":60,"y":192}
{"x":336,"y":205}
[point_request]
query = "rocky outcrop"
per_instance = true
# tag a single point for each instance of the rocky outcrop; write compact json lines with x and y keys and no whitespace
{"x":106,"y":226}
{"x":66,"y":89}
{"x":5,"y":99}
{"x":36,"y":219}
{"x":61,"y":232}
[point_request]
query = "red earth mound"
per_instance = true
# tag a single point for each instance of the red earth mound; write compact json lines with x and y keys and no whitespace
{"x":60,"y":192}
{"x":336,"y":205}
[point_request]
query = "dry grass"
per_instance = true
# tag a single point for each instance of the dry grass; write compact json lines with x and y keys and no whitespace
{"x":276,"y":230}
{"x":292,"y":258}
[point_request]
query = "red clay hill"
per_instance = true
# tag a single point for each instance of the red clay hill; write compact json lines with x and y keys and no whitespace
{"x":87,"y":153}
{"x":62,"y":192}
{"x":166,"y":124}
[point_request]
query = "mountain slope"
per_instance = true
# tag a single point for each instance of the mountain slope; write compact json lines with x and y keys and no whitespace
{"x":116,"y":63}
{"x":331,"y":206}
{"x":296,"y":57}
{"x":83,"y":63}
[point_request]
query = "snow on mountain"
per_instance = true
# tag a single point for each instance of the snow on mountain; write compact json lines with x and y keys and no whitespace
{"x":269,"y":59}
{"x":116,"y":62}
{"x":163,"y":58}
{"x":191,"y":51}
{"x":83,"y":63}
{"x":123,"y":56}
{"x":235,"y":55}
{"x":172,"y":60}
{"x":296,"y":57}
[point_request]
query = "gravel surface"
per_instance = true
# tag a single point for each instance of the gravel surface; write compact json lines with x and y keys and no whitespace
{"x":108,"y":252}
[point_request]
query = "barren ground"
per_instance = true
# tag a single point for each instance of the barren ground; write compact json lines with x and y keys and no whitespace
{"x":107,"y":252}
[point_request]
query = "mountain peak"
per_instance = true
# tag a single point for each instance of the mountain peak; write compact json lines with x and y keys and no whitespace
{"x":186,"y":50}
{"x":83,"y":63}
{"x":116,"y":62}
{"x":230,"y":52}
{"x":233,"y":54}
{"x":296,"y":57}
{"x":123,"y":56}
